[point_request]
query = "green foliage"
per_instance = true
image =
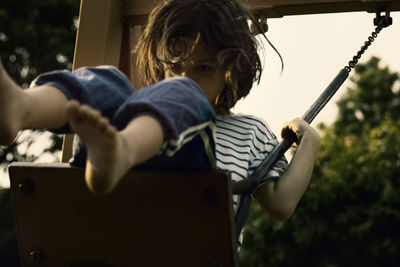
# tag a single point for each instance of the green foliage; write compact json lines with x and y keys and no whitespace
{"x":372,"y":98}
{"x":350,"y":214}
{"x":35,"y":37}
{"x":31,"y":146}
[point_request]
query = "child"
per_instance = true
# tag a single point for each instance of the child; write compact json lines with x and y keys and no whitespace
{"x":196,"y":59}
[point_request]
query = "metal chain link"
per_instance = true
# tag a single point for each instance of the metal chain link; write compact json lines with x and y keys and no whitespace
{"x":381,"y":22}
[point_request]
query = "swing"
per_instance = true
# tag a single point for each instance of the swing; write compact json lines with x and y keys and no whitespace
{"x":188,"y":220}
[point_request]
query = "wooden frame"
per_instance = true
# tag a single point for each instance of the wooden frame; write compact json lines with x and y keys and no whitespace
{"x":280,"y":8}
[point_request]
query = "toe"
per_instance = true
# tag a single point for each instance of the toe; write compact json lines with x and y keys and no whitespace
{"x":90,"y":114}
{"x":73,"y":110}
{"x":110,"y":131}
{"x":103,"y":123}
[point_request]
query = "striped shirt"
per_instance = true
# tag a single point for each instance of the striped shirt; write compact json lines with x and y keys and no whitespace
{"x":242,"y":143}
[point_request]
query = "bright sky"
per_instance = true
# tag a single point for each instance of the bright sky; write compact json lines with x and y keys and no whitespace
{"x":314,"y":49}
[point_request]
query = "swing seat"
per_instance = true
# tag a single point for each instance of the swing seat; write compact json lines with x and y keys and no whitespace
{"x":150,"y":219}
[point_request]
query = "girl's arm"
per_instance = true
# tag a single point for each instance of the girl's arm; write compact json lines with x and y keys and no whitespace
{"x":280,"y":198}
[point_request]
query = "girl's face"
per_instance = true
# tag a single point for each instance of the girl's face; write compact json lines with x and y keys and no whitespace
{"x":203,"y":68}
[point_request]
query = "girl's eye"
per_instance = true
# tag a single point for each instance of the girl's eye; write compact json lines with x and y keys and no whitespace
{"x":203,"y":68}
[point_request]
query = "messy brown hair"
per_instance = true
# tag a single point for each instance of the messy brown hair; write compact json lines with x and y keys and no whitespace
{"x":221,"y":24}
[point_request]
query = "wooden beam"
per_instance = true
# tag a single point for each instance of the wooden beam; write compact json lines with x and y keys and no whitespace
{"x":277,"y":9}
{"x":99,"y":34}
{"x":98,"y":42}
{"x":280,"y":8}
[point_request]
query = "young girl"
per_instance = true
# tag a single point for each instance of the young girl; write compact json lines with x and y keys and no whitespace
{"x":196,"y":59}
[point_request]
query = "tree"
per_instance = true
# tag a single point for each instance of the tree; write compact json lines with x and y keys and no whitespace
{"x":350,"y":214}
{"x":35,"y":37}
{"x":374,"y":98}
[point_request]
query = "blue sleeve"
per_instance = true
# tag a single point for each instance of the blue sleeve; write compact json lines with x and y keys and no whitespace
{"x":104,"y":88}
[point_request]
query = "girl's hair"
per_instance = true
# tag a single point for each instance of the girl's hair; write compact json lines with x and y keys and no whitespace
{"x":221,"y":24}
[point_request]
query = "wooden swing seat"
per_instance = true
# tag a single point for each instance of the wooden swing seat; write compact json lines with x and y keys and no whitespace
{"x":150,"y":219}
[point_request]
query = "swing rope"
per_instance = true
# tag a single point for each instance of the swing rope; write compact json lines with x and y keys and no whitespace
{"x":246,"y":187}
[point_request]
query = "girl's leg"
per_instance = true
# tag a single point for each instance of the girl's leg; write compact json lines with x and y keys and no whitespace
{"x":171,"y":119}
{"x":170,"y":114}
{"x":41,"y":107}
{"x":111,"y":153}
{"x":103,"y":88}
{"x":187,"y":119}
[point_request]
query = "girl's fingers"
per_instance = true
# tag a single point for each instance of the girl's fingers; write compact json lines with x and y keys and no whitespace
{"x":294,"y":130}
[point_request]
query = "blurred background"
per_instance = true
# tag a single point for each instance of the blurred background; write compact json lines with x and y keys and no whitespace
{"x":350,"y":214}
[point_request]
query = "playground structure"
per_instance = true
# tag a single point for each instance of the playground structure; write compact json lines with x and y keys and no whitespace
{"x":59,"y":221}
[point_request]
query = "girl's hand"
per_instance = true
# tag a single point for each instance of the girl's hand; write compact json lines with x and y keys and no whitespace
{"x":301,"y":129}
{"x":280,"y":198}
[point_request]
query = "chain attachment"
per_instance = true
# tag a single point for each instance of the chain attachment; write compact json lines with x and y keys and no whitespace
{"x":380,"y":22}
{"x":258,"y":25}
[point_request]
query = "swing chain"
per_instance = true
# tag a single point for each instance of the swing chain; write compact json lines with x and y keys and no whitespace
{"x":380,"y":22}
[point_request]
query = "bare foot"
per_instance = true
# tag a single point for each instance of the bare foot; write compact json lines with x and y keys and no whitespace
{"x":11,"y":97}
{"x":106,"y":161}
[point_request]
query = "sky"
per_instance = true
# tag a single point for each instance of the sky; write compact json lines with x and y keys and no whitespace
{"x":314,"y":49}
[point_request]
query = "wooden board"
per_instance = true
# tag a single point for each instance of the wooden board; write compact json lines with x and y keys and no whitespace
{"x":280,"y":8}
{"x":150,"y":219}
